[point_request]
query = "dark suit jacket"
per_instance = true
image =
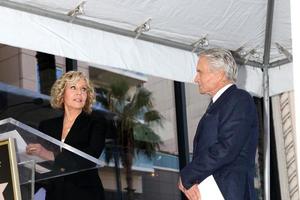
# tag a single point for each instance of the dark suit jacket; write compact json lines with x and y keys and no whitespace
{"x":225,"y":146}
{"x":87,"y":135}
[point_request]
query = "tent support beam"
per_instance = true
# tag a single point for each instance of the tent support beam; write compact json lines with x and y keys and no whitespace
{"x":266,"y":65}
{"x":280,"y":62}
{"x":111,"y":29}
{"x":242,"y":61}
{"x":91,"y":24}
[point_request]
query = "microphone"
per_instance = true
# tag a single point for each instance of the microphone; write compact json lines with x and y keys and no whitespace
{"x":36,"y":101}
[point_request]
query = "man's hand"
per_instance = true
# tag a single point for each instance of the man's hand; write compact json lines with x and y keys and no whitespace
{"x":192,"y":194}
{"x":180,"y":186}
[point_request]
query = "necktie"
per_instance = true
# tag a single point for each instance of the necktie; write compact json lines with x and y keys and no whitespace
{"x":209,"y":105}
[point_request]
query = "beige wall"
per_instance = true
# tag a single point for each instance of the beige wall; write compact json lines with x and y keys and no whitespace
{"x":196,"y":106}
{"x":28,"y":69}
{"x":9,"y":65}
{"x":163,"y":97}
{"x":83,"y":67}
{"x":18,"y":67}
{"x":164,"y":101}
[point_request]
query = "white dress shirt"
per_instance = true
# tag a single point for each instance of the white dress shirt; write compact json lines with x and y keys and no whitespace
{"x":220,"y":92}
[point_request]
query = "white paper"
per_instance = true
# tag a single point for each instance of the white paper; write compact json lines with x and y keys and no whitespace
{"x":24,"y":157}
{"x":209,"y":189}
{"x":38,"y":168}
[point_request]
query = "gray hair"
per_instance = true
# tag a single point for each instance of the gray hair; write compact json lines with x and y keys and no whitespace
{"x":221,"y":59}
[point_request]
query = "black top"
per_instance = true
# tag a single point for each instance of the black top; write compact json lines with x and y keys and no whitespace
{"x":88,"y":135}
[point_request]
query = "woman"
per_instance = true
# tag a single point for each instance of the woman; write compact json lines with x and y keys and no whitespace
{"x":74,"y":94}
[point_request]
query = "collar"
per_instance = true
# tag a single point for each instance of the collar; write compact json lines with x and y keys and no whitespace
{"x":220,"y":92}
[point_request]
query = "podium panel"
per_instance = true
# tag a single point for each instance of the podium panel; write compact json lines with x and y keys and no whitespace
{"x":32,"y":169}
{"x":9,"y":176}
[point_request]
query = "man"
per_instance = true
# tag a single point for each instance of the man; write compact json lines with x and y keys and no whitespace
{"x":226,"y":137}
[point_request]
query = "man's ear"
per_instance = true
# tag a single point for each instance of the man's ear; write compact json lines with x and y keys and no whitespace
{"x":220,"y":74}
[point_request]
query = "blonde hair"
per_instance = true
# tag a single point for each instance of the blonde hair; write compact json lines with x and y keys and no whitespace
{"x":58,"y":90}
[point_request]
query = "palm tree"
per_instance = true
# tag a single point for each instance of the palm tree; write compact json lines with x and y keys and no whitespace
{"x":136,"y":117}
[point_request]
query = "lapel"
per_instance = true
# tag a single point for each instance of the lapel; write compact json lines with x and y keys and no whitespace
{"x":73,"y":129}
{"x":59,"y":126}
{"x":208,"y":113}
{"x":220,"y":100}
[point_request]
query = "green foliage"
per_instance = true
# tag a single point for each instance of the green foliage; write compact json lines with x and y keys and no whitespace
{"x":153,"y":116}
{"x":136,"y":116}
{"x":146,"y":139}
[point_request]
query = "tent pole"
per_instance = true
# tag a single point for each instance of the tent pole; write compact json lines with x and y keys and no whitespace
{"x":266,"y":117}
{"x":266,"y":65}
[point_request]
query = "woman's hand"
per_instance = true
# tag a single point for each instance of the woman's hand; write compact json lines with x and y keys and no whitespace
{"x":40,"y":151}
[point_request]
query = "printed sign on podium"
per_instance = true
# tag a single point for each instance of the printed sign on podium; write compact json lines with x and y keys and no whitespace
{"x":9,"y":176}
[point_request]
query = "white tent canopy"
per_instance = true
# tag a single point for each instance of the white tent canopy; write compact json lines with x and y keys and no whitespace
{"x":104,"y":34}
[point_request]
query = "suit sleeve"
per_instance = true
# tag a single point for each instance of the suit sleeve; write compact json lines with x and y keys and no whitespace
{"x":232,"y":132}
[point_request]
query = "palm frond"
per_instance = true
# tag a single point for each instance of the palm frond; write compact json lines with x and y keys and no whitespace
{"x":139,"y":104}
{"x":143,"y":132}
{"x":146,"y":140}
{"x":153,"y":116}
{"x":135,"y":115}
{"x":143,"y":99}
{"x":147,"y":148}
{"x":102,"y":97}
{"x":119,"y":89}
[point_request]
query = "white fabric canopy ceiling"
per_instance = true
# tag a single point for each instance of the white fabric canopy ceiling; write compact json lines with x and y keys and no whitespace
{"x":235,"y":25}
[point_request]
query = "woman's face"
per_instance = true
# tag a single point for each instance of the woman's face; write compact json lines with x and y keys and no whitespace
{"x":75,"y":95}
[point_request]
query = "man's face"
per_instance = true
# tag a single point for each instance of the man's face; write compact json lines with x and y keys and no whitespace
{"x":206,"y":78}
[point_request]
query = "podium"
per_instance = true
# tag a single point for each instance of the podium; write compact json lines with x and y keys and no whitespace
{"x":32,"y":169}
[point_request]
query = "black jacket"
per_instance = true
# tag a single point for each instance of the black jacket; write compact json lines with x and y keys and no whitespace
{"x":88,"y":135}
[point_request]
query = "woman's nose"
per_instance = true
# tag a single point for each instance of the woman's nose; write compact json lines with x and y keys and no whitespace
{"x":78,"y":91}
